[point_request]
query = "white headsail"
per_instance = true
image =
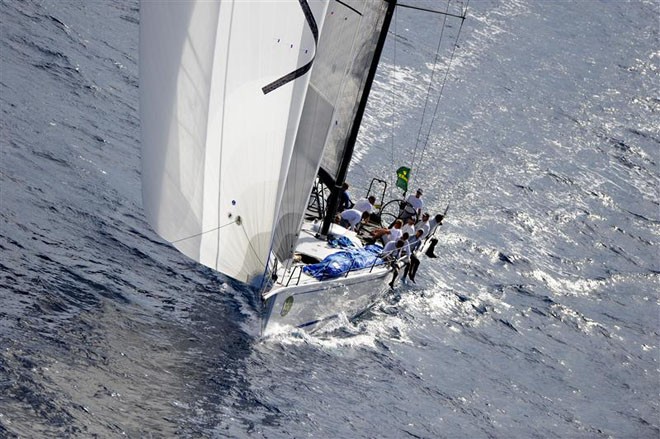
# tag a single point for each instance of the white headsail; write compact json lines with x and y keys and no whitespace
{"x":346,"y":51}
{"x":222,"y":87}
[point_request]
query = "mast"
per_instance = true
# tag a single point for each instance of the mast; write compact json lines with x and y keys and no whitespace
{"x":333,"y":201}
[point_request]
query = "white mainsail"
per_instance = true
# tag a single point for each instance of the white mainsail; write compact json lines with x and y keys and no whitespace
{"x":216,"y":146}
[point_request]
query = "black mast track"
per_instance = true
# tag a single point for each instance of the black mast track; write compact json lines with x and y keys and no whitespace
{"x":333,"y":201}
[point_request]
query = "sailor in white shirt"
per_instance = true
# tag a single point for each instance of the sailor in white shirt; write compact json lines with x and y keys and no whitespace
{"x":434,"y":224}
{"x":413,"y":206}
{"x":425,"y":225}
{"x":435,"y":221}
{"x":351,"y":218}
{"x":394,"y":233}
{"x":365,"y":204}
{"x":409,"y":227}
{"x":405,"y":250}
{"x":411,"y":268}
{"x":392,"y":252}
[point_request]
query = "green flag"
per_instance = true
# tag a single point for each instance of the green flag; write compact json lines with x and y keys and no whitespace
{"x":402,"y":175}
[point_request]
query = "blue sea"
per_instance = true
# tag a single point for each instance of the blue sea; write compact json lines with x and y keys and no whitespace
{"x":538,"y":124}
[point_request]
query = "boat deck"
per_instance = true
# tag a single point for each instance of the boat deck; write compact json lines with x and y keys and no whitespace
{"x":311,"y":248}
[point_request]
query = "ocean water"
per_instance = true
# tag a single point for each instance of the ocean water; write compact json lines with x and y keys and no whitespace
{"x":539,"y":318}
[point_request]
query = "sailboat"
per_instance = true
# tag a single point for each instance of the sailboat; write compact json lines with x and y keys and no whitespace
{"x":246,"y":106}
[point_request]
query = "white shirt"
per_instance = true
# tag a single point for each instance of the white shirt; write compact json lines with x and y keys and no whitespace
{"x":417,"y":203}
{"x":426,"y":228}
{"x":433,"y":224}
{"x":389,"y":247}
{"x":393,"y":235}
{"x":405,"y":250}
{"x":353,"y":217}
{"x":408,"y":228}
{"x":363,"y":205}
{"x":414,"y":243}
{"x":391,"y":250}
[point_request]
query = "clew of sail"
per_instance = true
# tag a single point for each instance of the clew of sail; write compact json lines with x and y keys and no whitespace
{"x":216,"y":146}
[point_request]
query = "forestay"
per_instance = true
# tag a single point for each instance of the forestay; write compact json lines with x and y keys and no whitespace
{"x":216,"y":145}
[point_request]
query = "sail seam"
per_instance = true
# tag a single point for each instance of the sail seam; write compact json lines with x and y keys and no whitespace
{"x":222,"y":123}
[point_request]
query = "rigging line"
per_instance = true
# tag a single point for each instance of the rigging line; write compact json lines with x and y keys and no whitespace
{"x":256,"y":255}
{"x":396,"y":16}
{"x":428,"y":92}
{"x":442,"y":87}
{"x":401,"y":5}
{"x":204,"y":232}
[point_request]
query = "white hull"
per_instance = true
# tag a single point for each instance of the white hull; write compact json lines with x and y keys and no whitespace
{"x":311,"y":305}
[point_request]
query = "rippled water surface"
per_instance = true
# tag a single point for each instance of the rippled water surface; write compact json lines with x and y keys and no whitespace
{"x":539,"y":318}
